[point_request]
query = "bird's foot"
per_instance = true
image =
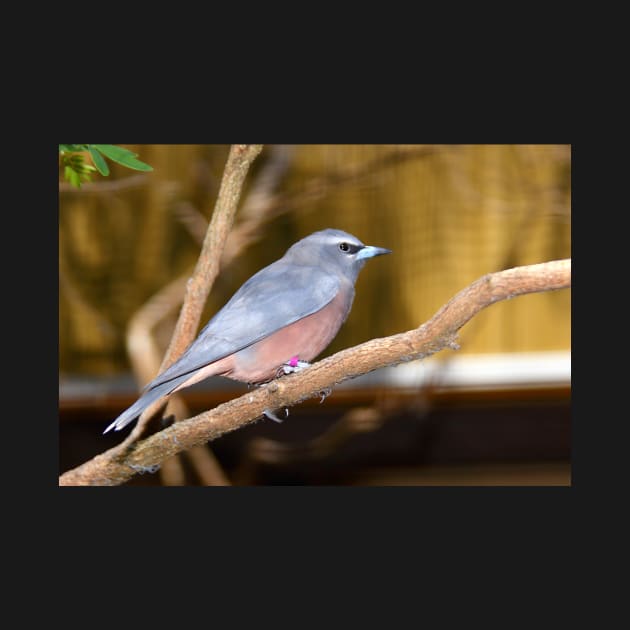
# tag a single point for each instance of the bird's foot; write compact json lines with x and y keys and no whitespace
{"x":293,"y":365}
{"x":144,"y":469}
{"x":324,"y":393}
{"x":272,"y":416}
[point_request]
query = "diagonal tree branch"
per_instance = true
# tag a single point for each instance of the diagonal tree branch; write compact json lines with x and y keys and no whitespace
{"x":206,"y":270}
{"x":239,"y":160}
{"x":117,"y":465}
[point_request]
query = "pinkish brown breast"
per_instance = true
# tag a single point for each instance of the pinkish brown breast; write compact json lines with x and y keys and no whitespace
{"x":305,"y":338}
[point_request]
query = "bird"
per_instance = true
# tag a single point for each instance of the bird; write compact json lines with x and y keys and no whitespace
{"x":278,"y":321}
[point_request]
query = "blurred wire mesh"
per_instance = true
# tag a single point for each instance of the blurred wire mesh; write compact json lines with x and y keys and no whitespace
{"x":451,"y":213}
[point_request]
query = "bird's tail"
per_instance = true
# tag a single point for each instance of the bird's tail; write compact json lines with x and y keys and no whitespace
{"x":148,"y":398}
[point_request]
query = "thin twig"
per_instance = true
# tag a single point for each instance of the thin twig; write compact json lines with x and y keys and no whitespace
{"x":239,"y":160}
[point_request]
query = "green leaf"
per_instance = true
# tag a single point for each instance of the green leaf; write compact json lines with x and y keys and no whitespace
{"x":78,"y":164}
{"x":114,"y":152}
{"x":86,"y":169}
{"x":74,"y":159}
{"x":122,"y":156}
{"x":136,"y":165}
{"x":73,"y":177}
{"x":98,"y":160}
{"x":72,"y":147}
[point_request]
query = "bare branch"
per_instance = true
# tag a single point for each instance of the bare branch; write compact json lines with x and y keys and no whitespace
{"x":117,"y":465}
{"x":256,"y":207}
{"x":197,"y":287}
{"x":239,"y":160}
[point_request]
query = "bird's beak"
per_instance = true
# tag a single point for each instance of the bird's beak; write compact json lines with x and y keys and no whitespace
{"x":369,"y":251}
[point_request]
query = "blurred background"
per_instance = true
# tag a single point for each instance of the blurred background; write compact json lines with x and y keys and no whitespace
{"x":495,"y":412}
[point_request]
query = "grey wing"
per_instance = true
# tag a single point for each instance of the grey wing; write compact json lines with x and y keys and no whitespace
{"x":275,"y":297}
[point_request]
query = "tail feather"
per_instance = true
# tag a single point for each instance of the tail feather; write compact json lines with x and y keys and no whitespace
{"x":148,"y":398}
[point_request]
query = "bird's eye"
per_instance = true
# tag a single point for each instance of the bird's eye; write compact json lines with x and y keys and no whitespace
{"x":344,"y":247}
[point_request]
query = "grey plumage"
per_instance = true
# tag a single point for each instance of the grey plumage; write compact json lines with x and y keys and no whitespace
{"x":295,"y":305}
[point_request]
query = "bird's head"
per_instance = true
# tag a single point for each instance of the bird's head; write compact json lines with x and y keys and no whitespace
{"x":335,"y":250}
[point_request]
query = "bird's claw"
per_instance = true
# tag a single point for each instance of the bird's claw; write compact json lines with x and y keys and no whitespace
{"x":144,"y":469}
{"x":293,"y":365}
{"x":324,"y":393}
{"x":272,"y":416}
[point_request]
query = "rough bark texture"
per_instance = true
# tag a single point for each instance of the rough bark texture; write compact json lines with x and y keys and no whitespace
{"x":117,"y":465}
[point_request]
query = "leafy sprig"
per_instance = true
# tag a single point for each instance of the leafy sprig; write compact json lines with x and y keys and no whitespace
{"x":77,"y":170}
